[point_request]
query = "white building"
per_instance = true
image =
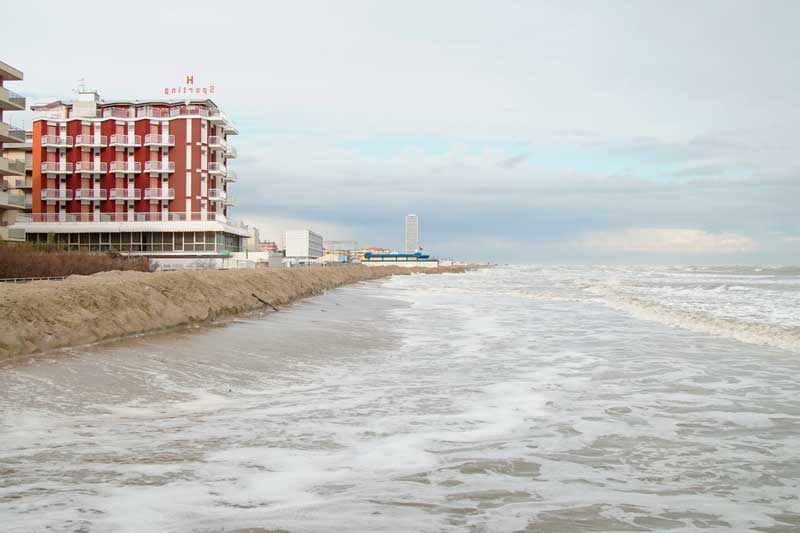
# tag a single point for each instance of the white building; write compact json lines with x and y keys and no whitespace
{"x":303,"y":246}
{"x":412,"y":234}
{"x":252,"y":240}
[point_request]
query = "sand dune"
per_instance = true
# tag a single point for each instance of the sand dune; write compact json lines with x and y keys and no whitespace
{"x":43,"y":315}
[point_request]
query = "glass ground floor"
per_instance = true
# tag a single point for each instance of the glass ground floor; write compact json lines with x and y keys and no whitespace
{"x":144,"y":242}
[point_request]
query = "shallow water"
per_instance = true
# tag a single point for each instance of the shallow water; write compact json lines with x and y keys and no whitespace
{"x":512,"y":399}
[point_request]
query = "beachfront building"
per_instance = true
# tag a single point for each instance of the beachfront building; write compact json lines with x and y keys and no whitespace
{"x":412,"y":234}
{"x":303,"y":246}
{"x":415,"y":260}
{"x":267,"y":246}
{"x":11,"y":202}
{"x":21,"y":185}
{"x":138,"y":177}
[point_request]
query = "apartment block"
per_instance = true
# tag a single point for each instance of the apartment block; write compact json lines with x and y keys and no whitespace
{"x":139,"y":177}
{"x":11,"y":202}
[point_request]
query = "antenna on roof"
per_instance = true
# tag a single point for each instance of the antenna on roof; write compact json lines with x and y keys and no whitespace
{"x":82,"y":85}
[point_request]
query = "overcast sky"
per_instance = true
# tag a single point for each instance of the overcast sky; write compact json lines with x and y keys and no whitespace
{"x":547,"y":132}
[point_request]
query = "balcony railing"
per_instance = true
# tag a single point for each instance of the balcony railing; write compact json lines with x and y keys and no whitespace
{"x":159,"y":194}
{"x":231,"y":152}
{"x":126,"y":167}
{"x":90,"y":167}
{"x":126,"y":140}
{"x":231,"y":176}
{"x":18,"y":134}
{"x":55,"y":141}
{"x":154,"y":139}
{"x":217,"y":169}
{"x":189,"y":110}
{"x":91,"y":141}
{"x":216,"y":195}
{"x":230,"y":201}
{"x":118,"y":112}
{"x":21,"y":183}
{"x":155,"y":112}
{"x":216,"y":142}
{"x":52,"y":167}
{"x":159,"y":166}
{"x":35,"y":218}
{"x":125,"y":194}
{"x":91,"y":194}
{"x":16,"y":100}
{"x":57,"y":194}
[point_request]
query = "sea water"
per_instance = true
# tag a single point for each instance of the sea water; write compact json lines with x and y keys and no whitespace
{"x":507,"y":399}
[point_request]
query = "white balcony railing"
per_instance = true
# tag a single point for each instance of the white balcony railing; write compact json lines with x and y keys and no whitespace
{"x":52,"y":167}
{"x":216,"y":195}
{"x":231,"y":176}
{"x":118,"y":112}
{"x":154,"y":112}
{"x":126,"y":167}
{"x":159,"y":194}
{"x":34,"y":218}
{"x":155,"y":140}
{"x":159,"y":166}
{"x":126,"y":140}
{"x":231,"y":152}
{"x":91,"y":141}
{"x":91,"y":194}
{"x":125,"y":194}
{"x":189,"y":110}
{"x":230,"y":201}
{"x":90,"y":167}
{"x":215,"y":142}
{"x":55,"y":141}
{"x":57,"y":194}
{"x":217,"y":169}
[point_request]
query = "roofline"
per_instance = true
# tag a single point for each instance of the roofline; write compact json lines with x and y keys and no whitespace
{"x":9,"y":73}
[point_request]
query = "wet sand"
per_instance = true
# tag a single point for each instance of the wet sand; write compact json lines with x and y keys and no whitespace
{"x":44,"y":315}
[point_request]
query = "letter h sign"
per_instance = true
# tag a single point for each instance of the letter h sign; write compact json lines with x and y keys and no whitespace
{"x":190,"y":79}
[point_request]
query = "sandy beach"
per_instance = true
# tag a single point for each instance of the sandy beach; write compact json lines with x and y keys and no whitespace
{"x":44,"y":315}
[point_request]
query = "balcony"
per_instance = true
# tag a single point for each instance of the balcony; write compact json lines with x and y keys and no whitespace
{"x":124,"y":167}
{"x":56,"y":141}
{"x":191,"y":110}
{"x":217,"y":195}
{"x":11,"y":134}
{"x":231,"y":152}
{"x":11,"y":101}
{"x":11,"y":233}
{"x":39,"y":218}
{"x":87,"y":167}
{"x":217,"y":169}
{"x":12,"y":167}
{"x":20,"y":183}
{"x":126,"y":141}
{"x":155,"y":141}
{"x":231,"y":176}
{"x":215,"y":142}
{"x":153,"y":112}
{"x":155,"y":195}
{"x":162,"y":167}
{"x":230,"y":201}
{"x":11,"y":200}
{"x":52,"y":167}
{"x":231,"y":129}
{"x":125,"y":194}
{"x":91,"y":141}
{"x":118,"y":112}
{"x":94,"y":195}
{"x":56,"y":195}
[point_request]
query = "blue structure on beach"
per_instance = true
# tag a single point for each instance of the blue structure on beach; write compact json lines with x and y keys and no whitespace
{"x":417,"y":259}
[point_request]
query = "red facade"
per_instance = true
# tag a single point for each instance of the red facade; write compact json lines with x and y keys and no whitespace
{"x":131,"y":161}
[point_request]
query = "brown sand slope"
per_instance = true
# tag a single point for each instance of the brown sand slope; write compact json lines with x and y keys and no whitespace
{"x":43,"y":315}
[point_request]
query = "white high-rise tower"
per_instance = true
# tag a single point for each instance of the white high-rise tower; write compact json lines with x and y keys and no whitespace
{"x":412,"y":234}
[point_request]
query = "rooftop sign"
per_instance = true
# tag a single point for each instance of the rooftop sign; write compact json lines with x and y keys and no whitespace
{"x":189,"y":88}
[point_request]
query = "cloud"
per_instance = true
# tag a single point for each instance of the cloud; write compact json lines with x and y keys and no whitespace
{"x":668,"y":242}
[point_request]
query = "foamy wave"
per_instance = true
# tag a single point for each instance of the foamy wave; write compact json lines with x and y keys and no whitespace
{"x":787,"y":338}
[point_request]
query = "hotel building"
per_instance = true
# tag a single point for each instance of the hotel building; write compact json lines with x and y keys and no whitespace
{"x":138,"y":177}
{"x":11,"y":202}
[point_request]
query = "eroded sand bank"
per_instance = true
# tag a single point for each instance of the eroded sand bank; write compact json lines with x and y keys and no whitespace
{"x":43,"y":315}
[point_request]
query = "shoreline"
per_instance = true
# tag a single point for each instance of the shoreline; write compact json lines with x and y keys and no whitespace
{"x":40,"y":316}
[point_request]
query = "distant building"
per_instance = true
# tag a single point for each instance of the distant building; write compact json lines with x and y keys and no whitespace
{"x":12,"y":169}
{"x":267,"y":246}
{"x":412,"y":234}
{"x":21,"y":186}
{"x":303,"y":246}
{"x":252,"y":241}
{"x":415,"y":260}
{"x":360,"y":254}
